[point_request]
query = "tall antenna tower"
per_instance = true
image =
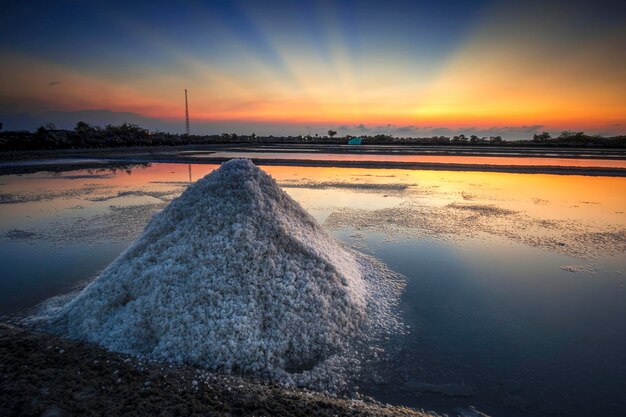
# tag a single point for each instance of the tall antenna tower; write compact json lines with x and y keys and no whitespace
{"x":186,"y":114}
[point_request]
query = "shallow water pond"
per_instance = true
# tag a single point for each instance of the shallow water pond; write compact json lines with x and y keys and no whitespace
{"x":508,"y":160}
{"x":515,"y":299}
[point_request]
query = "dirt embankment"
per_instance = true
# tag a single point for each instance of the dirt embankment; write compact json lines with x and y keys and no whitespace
{"x":43,"y":375}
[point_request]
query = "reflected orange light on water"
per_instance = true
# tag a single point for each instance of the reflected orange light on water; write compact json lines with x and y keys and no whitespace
{"x":573,"y":197}
{"x":545,"y":195}
{"x":427,"y":159}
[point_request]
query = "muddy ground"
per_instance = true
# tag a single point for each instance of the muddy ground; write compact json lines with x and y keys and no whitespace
{"x":44,"y":375}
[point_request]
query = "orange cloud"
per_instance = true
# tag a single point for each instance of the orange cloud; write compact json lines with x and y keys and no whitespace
{"x":519,"y":67}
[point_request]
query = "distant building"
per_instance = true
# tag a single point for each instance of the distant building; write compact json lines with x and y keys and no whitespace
{"x":355,"y":141}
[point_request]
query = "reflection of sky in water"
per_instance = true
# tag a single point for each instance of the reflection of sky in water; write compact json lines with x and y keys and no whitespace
{"x":439,"y":159}
{"x":506,"y":320}
{"x":35,"y":271}
{"x":494,"y":311}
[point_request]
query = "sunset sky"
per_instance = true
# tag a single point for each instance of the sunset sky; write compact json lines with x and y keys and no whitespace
{"x":408,"y":68}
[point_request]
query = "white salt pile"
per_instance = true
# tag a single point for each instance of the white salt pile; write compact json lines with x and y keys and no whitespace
{"x":234,"y":275}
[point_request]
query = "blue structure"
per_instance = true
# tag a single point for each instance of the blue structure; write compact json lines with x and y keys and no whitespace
{"x":355,"y":141}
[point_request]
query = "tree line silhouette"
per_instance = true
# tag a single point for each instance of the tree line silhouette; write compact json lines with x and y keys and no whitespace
{"x":85,"y":136}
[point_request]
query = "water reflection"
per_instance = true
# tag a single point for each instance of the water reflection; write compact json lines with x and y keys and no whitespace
{"x":428,"y":159}
{"x":515,"y":281}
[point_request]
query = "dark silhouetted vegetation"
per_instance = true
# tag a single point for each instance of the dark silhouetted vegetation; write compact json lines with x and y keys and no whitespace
{"x":85,"y":136}
{"x":541,"y":137}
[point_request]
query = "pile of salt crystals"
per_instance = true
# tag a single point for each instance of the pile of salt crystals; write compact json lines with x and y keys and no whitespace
{"x":234,"y":275}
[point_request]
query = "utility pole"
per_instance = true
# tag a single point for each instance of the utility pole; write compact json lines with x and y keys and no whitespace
{"x":186,"y":114}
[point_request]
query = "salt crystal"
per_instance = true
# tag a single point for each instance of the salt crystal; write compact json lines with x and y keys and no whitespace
{"x":234,"y":275}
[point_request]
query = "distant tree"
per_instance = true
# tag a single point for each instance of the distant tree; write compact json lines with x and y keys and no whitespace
{"x":50,"y":126}
{"x":253,"y":136}
{"x":459,"y":139}
{"x":496,"y":140}
{"x":568,"y":135}
{"x":383,"y":138}
{"x":82,"y":127}
{"x":126,"y":128}
{"x":474,"y":139}
{"x":541,"y":137}
{"x":332,"y":133}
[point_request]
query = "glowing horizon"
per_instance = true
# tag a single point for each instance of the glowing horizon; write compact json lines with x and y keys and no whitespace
{"x":411,"y":65}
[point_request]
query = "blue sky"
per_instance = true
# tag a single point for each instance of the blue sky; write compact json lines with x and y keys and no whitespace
{"x":284,"y":65}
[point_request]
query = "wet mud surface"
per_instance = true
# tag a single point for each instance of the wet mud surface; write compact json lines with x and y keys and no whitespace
{"x":43,"y":375}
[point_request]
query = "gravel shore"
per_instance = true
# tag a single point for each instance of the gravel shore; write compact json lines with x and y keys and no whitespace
{"x":44,"y":375}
